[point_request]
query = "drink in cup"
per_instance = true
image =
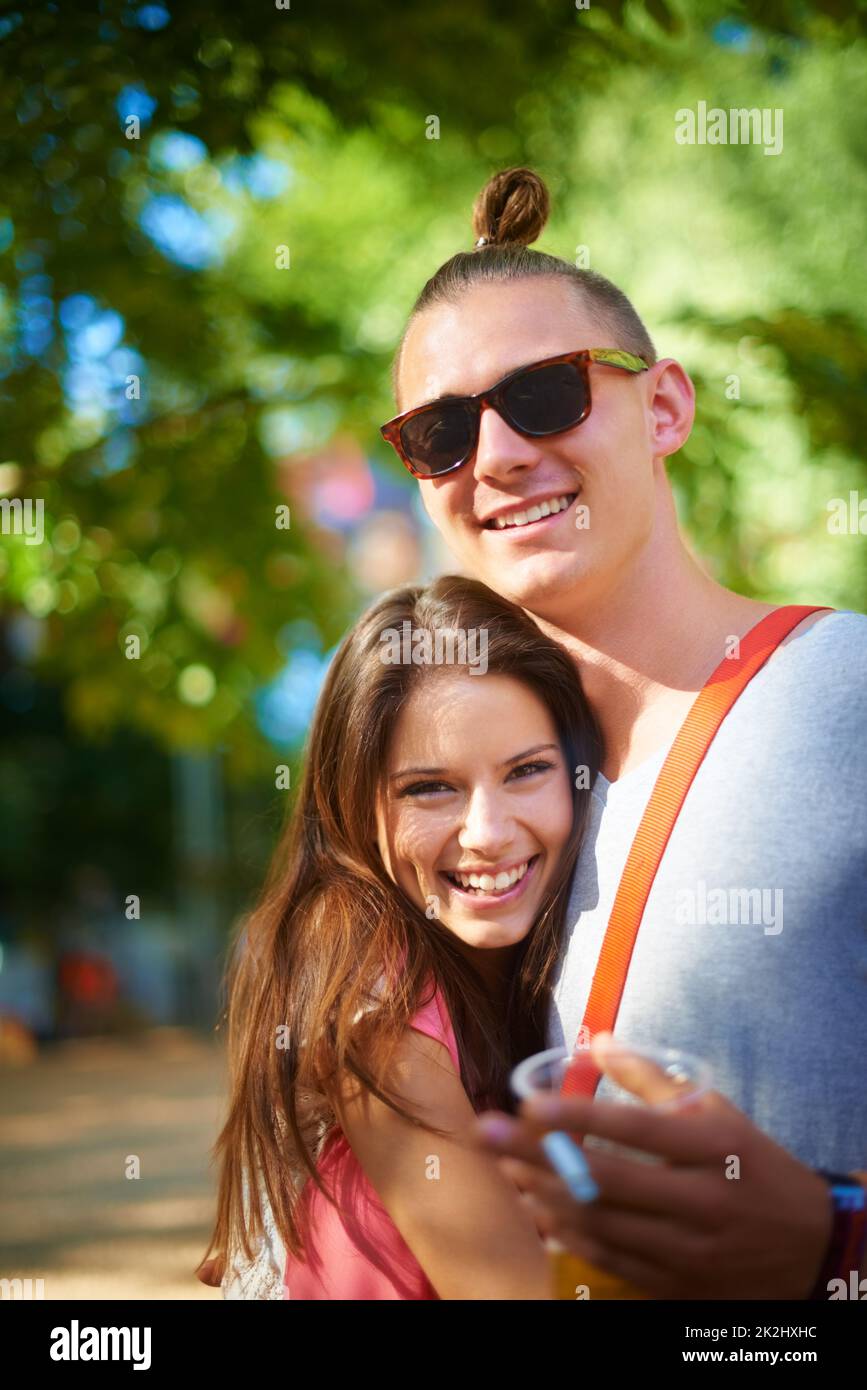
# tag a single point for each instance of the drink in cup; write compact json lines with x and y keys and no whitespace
{"x":681,"y":1078}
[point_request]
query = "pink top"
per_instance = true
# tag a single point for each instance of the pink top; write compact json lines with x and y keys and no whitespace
{"x":354,"y":1250}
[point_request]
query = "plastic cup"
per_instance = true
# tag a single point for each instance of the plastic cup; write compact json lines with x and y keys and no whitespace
{"x":544,"y":1073}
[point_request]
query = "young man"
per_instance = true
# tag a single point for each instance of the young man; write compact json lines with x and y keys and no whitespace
{"x":579,"y":528}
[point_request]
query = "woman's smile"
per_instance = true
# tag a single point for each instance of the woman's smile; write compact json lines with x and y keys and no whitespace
{"x":484,"y":889}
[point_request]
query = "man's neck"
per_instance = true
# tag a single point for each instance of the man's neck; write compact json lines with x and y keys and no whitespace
{"x":645,"y":651}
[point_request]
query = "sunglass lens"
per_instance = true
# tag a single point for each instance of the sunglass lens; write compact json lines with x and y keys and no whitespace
{"x":436,"y":439}
{"x":548,"y":400}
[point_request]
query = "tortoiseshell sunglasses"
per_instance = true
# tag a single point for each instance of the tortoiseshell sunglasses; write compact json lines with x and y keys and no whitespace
{"x":543,"y":398}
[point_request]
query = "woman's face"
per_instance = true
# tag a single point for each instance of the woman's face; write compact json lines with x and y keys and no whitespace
{"x":477,"y":805}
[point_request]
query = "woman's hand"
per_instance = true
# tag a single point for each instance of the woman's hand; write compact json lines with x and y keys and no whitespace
{"x":727,"y":1214}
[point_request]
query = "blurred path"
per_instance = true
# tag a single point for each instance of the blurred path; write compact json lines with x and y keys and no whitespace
{"x":68,"y":1121}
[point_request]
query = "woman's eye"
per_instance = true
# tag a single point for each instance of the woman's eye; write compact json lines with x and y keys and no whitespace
{"x":416,"y":789}
{"x":527,"y":769}
{"x":424,"y":788}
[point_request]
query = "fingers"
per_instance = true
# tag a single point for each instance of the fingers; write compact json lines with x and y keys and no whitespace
{"x":642,"y":1249}
{"x":683,"y":1137}
{"x":639,"y":1075}
{"x":653,"y":1189}
{"x":542,"y":1186}
{"x":503,"y":1134}
{"x":652,"y":1238}
{"x":559,"y":1217}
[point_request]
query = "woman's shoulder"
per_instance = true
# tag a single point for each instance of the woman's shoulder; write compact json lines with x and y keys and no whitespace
{"x":432,"y":1018}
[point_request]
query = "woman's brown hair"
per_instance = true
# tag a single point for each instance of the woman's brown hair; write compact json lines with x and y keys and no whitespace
{"x":508,"y":214}
{"x":335,"y":959}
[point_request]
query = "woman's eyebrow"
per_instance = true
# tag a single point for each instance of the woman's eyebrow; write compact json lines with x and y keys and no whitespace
{"x":440,"y":771}
{"x":528,"y":753}
{"x":416,"y":771}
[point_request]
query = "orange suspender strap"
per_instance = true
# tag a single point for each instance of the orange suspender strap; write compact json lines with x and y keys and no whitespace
{"x":669,"y":793}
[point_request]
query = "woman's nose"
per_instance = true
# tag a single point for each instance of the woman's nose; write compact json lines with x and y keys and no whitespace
{"x":487,"y":825}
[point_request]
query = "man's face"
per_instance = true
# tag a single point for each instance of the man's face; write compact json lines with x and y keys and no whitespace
{"x":604,"y":466}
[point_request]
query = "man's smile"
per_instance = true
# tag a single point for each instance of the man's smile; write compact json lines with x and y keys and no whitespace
{"x":529,"y":512}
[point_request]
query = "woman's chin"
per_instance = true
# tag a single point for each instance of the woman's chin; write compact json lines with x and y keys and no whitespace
{"x":485,"y":934}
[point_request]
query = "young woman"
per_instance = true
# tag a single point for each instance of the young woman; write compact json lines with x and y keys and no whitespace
{"x":398,"y":964}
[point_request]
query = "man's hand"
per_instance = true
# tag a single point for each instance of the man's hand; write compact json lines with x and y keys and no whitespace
{"x":680,"y":1228}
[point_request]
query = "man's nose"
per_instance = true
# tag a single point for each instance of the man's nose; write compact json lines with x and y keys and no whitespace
{"x":501,"y":451}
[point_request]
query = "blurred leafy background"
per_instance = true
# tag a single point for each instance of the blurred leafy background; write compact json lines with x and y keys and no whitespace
{"x":166,"y":384}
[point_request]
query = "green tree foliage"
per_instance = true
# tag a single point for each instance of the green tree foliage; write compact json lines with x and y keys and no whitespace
{"x":270,"y":331}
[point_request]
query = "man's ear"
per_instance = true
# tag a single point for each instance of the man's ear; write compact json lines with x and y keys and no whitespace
{"x":672,"y":407}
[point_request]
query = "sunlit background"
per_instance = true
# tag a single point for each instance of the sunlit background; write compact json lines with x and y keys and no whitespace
{"x":214,"y":219}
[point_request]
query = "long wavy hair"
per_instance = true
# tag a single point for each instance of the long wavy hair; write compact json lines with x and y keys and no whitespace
{"x":331,"y":965}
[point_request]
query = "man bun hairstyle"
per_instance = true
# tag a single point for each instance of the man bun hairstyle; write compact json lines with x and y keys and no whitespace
{"x":509,"y":213}
{"x":512,"y":207}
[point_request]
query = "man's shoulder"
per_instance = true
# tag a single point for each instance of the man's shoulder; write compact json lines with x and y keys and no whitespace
{"x":835,"y":640}
{"x":809,"y":696}
{"x":839,"y":618}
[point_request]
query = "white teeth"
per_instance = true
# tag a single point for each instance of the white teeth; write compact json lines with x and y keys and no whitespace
{"x":536,"y":512}
{"x":488,"y":883}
